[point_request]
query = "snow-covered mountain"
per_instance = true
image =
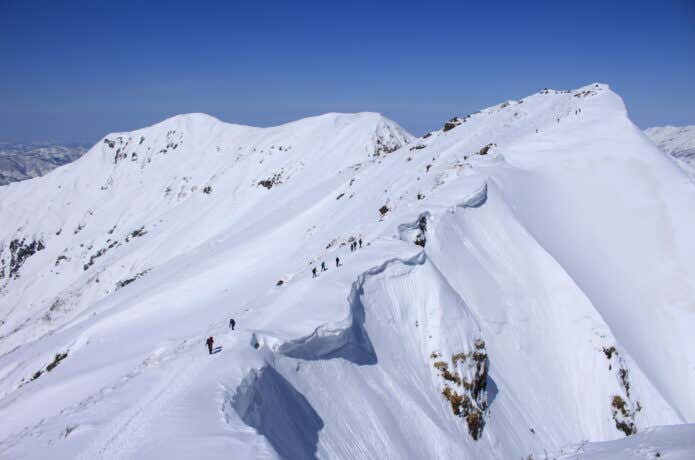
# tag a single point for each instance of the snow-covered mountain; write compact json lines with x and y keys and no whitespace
{"x":523,"y":282}
{"x":24,"y":161}
{"x":677,"y":141}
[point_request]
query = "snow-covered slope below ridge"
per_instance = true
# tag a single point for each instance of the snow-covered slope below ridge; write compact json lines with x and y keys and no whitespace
{"x":549,"y":300}
{"x":678,"y":142}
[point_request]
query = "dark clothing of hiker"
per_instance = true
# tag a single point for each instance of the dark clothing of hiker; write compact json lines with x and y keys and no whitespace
{"x":337,"y":261}
{"x":313,"y":272}
{"x":209,"y":343}
{"x":323,"y":266}
{"x":232,"y":323}
{"x":360,"y":242}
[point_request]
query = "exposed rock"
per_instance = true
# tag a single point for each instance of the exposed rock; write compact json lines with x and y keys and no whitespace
{"x":20,"y":251}
{"x":451,"y":124}
{"x":485,"y":149}
{"x":127,"y":281}
{"x":465,"y":385}
{"x":623,"y":409}
{"x":271,"y":181}
{"x":136,"y":233}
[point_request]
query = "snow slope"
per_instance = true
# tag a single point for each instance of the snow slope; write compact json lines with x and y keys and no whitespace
{"x":525,"y":282}
{"x":24,"y":161}
{"x":664,"y":442}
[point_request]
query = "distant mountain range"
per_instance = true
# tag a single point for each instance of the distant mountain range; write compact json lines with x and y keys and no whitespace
{"x":24,"y":161}
{"x":677,"y":141}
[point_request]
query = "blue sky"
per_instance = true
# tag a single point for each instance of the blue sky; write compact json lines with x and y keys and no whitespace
{"x":74,"y":71}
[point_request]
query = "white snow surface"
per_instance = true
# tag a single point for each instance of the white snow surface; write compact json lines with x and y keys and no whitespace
{"x":554,"y":280}
{"x":675,"y":442}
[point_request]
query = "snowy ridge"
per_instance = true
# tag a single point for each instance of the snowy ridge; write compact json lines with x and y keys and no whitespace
{"x":525,"y":282}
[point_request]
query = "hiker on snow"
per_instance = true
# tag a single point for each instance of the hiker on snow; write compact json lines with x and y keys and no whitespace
{"x":209,"y":343}
{"x":232,"y":323}
{"x":323,"y":266}
{"x":360,"y":243}
{"x":313,"y":272}
{"x":337,"y":261}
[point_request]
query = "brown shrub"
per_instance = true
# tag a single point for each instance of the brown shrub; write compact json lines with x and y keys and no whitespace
{"x":455,"y":358}
{"x":441,"y":365}
{"x":619,"y":404}
{"x":455,"y":399}
{"x":475,"y":424}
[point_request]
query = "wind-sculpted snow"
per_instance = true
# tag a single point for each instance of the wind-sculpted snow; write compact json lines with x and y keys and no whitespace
{"x":476,"y":199}
{"x":514,"y":283}
{"x":350,"y":342}
{"x":403,"y":307}
{"x":269,"y":403}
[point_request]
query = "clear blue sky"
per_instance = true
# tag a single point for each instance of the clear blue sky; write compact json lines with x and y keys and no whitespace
{"x":74,"y":71}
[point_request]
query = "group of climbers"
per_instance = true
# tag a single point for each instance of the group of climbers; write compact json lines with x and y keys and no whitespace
{"x":353,"y":247}
{"x":323,"y":269}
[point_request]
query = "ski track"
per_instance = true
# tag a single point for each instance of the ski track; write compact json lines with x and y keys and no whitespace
{"x":122,"y":437}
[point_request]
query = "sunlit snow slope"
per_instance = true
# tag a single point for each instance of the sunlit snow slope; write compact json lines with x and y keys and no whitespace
{"x":526,"y":282}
